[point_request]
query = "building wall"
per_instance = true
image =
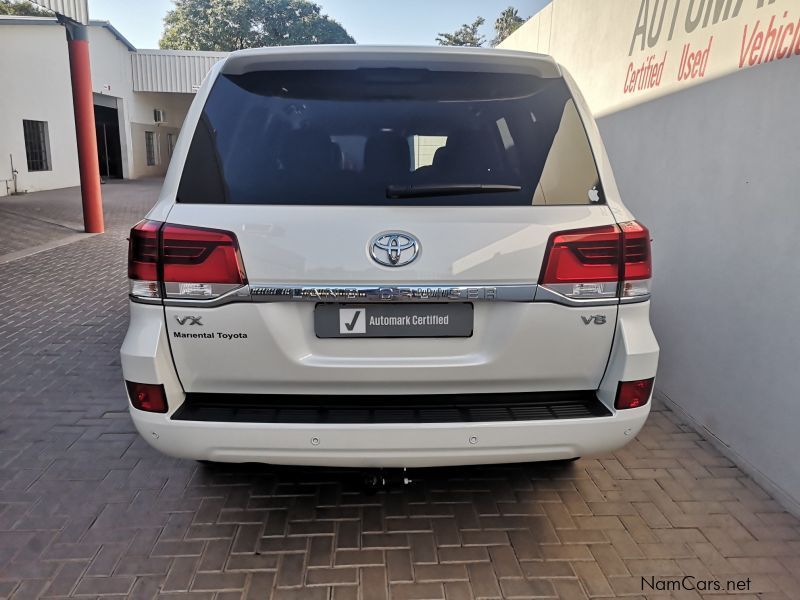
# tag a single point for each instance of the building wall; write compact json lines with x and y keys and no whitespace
{"x":174,"y":107}
{"x":112,"y":76}
{"x":36,"y":86}
{"x":709,"y":163}
{"x":34,"y":71}
{"x":176,"y":71}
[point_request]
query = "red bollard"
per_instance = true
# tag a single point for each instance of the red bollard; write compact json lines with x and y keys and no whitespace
{"x":83,"y":103}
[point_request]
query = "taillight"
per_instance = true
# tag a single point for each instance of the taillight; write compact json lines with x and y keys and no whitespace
{"x":190,"y":262}
{"x":591,"y":263}
{"x":143,"y":260}
{"x":203,"y":263}
{"x":633,"y":394}
{"x":583,"y":263}
{"x":147,"y":396}
{"x":638,"y":265}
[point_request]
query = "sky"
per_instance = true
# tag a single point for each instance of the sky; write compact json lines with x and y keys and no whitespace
{"x":368,"y":21}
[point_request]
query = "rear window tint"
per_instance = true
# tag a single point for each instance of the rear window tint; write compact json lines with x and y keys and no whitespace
{"x":389,"y":137}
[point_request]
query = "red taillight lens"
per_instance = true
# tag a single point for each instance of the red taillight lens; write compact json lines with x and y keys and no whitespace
{"x":637,"y":251}
{"x":590,"y":263}
{"x":187,"y":262}
{"x":143,"y":251}
{"x":147,"y":396}
{"x":195,"y":255}
{"x":632,"y":394}
{"x":582,"y":255}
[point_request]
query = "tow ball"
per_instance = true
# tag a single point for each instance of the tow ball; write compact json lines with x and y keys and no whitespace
{"x":376,"y":481}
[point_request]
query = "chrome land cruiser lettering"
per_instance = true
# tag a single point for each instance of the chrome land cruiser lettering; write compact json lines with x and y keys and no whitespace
{"x":378,"y":293}
{"x":325,"y":293}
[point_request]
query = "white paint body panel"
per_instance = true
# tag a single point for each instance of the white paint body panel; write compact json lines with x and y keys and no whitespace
{"x":146,"y":358}
{"x":370,"y":446}
{"x":515,"y":347}
{"x":330,"y":244}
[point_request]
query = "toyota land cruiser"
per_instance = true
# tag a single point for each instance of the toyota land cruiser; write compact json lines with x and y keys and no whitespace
{"x":385,"y":256}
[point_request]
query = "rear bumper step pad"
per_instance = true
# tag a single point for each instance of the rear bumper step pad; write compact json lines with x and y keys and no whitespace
{"x":456,"y":408}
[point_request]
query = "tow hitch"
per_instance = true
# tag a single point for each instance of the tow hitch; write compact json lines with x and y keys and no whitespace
{"x":382,"y":479}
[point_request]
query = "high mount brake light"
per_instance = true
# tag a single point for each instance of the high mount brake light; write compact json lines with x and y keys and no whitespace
{"x":183,"y":262}
{"x":598,"y":262}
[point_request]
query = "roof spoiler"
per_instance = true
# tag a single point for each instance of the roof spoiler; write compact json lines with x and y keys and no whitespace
{"x":345,"y":57}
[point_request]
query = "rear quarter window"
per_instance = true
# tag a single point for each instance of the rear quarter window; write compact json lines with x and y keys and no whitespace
{"x":389,"y":137}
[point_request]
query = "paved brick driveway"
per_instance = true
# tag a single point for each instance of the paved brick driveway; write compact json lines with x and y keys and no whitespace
{"x":87,"y":509}
{"x":31,"y":220}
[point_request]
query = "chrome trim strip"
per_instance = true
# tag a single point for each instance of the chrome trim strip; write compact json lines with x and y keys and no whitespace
{"x":241,"y":294}
{"x":381,"y":294}
{"x":393,"y":293}
{"x":545,"y":294}
{"x":142,"y":300}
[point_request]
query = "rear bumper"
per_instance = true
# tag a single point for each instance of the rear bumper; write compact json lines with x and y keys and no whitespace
{"x":390,"y":445}
{"x":146,"y":358}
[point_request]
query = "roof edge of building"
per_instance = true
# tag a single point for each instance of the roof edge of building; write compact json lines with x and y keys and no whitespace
{"x":46,"y":20}
{"x":114,"y":31}
{"x":167,"y":52}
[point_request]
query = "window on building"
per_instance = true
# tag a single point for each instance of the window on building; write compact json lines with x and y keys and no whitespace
{"x":150,"y":148}
{"x":425,"y":147}
{"x":37,"y":145}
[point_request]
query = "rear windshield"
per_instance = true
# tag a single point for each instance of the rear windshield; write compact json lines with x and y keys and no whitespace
{"x":389,"y":137}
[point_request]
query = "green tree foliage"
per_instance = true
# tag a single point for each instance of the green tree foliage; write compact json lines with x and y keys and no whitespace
{"x":467,"y":35}
{"x":506,"y":24}
{"x":23,"y":9}
{"x":225,"y":25}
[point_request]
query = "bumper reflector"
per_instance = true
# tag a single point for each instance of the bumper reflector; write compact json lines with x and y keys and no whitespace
{"x":148,"y":397}
{"x":633,"y":394}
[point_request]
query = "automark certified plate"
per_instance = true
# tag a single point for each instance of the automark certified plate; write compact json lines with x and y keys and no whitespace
{"x":393,"y":320}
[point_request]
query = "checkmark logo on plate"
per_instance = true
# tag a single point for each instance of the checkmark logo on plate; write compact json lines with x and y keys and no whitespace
{"x":352,"y":321}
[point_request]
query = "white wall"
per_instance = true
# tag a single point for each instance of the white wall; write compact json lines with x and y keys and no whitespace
{"x":175,"y":107}
{"x":112,"y":75}
{"x":710,"y":164}
{"x":36,"y":85}
{"x":713,"y":172}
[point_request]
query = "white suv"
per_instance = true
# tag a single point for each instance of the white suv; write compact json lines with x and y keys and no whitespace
{"x":389,"y":257}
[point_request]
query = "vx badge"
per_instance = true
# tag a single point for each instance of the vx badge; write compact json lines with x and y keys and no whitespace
{"x":188,"y":320}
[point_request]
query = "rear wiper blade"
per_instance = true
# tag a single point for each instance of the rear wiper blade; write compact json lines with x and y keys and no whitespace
{"x":421,"y":191}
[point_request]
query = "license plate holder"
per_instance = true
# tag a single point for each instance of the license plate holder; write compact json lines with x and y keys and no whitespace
{"x":417,"y":320}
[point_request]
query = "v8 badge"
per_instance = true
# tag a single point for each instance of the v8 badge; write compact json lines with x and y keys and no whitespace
{"x":596,"y":319}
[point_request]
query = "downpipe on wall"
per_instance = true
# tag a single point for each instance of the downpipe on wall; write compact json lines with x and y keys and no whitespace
{"x":83,"y":104}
